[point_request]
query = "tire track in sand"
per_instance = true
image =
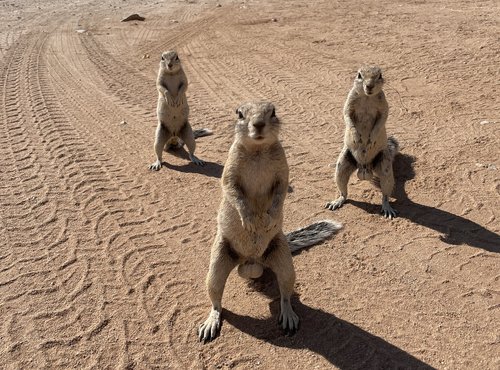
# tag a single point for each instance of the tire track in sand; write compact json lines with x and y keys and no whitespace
{"x":142,"y":268}
{"x":79,"y":179}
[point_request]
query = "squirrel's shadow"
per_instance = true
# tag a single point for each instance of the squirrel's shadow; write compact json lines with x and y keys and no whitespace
{"x":343,"y":344}
{"x":456,"y":229}
{"x":210,"y":169}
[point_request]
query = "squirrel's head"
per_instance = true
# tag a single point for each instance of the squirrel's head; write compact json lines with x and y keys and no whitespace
{"x":170,"y":61}
{"x":369,"y":80}
{"x":257,"y":123}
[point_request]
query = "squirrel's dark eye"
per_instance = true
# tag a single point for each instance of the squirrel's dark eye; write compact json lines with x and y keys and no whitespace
{"x":273,"y":113}
{"x":176,"y":58}
{"x":359,"y":76}
{"x":380,"y":77}
{"x":240,"y":115}
{"x":162,"y":57}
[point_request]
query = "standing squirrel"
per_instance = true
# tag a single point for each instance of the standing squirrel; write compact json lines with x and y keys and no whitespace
{"x":173,"y":110}
{"x":250,"y":218}
{"x":366,"y":146}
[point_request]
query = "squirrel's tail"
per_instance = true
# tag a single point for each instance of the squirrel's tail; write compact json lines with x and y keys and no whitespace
{"x":392,"y":146}
{"x":177,"y":143}
{"x":312,"y":234}
{"x":200,"y":132}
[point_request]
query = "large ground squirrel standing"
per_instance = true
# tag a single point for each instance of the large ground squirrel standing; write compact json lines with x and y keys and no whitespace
{"x":173,"y":109}
{"x":366,"y":147}
{"x":250,"y":219}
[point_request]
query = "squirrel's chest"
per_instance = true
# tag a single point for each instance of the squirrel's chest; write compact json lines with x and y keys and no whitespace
{"x":173,"y":86}
{"x":173,"y":82}
{"x":365,"y":115}
{"x":258,"y":177}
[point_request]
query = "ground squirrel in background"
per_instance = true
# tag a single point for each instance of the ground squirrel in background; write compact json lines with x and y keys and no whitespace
{"x":173,"y":110}
{"x":366,"y":146}
{"x":250,"y":218}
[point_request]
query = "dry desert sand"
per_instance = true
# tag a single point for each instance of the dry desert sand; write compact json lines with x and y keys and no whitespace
{"x":102,"y":262}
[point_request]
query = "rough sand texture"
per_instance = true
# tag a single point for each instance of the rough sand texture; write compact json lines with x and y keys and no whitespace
{"x":102,"y":263}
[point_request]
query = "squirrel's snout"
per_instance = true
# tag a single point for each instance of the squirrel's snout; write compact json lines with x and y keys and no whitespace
{"x":369,"y":89}
{"x":259,"y":125}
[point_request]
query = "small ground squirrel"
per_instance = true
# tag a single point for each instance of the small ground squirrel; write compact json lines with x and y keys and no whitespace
{"x":173,"y":110}
{"x":366,"y":147}
{"x":250,"y":218}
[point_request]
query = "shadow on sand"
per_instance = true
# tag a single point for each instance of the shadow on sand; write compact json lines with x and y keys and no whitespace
{"x":343,"y":344}
{"x":456,"y":230}
{"x":210,"y":169}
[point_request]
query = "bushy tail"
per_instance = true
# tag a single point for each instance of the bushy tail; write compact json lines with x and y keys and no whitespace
{"x":177,"y":143}
{"x":200,"y":132}
{"x":312,"y":234}
{"x":392,"y":146}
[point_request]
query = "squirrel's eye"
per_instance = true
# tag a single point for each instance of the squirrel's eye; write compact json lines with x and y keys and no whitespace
{"x":162,"y":57}
{"x":273,"y":113}
{"x":359,"y":76}
{"x":380,"y":77}
{"x":176,"y":58}
{"x":240,"y":115}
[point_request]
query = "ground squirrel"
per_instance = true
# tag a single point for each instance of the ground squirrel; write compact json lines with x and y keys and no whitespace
{"x":366,"y":146}
{"x":250,"y":218}
{"x":173,"y":110}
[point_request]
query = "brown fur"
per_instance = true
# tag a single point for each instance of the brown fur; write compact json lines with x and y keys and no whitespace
{"x":365,"y":141}
{"x":250,"y":219}
{"x":172,"y":109}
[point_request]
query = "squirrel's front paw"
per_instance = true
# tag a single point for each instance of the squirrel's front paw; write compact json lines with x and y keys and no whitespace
{"x":169,"y":99}
{"x":357,"y":139}
{"x":269,"y":221}
{"x":248,"y":223}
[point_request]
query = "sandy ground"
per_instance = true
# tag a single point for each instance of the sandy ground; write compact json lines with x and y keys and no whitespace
{"x":102,"y":263}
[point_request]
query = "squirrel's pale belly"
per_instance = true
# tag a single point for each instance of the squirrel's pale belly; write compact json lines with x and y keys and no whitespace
{"x":173,"y":115}
{"x":365,"y":150}
{"x":250,"y":245}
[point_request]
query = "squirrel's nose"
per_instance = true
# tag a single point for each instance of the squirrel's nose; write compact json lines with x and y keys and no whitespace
{"x":259,"y":124}
{"x":169,"y":65}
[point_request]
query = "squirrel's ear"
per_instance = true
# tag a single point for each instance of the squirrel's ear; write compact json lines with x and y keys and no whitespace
{"x":273,"y":113}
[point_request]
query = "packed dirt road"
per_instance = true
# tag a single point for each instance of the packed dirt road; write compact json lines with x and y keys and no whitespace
{"x":102,"y":262}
